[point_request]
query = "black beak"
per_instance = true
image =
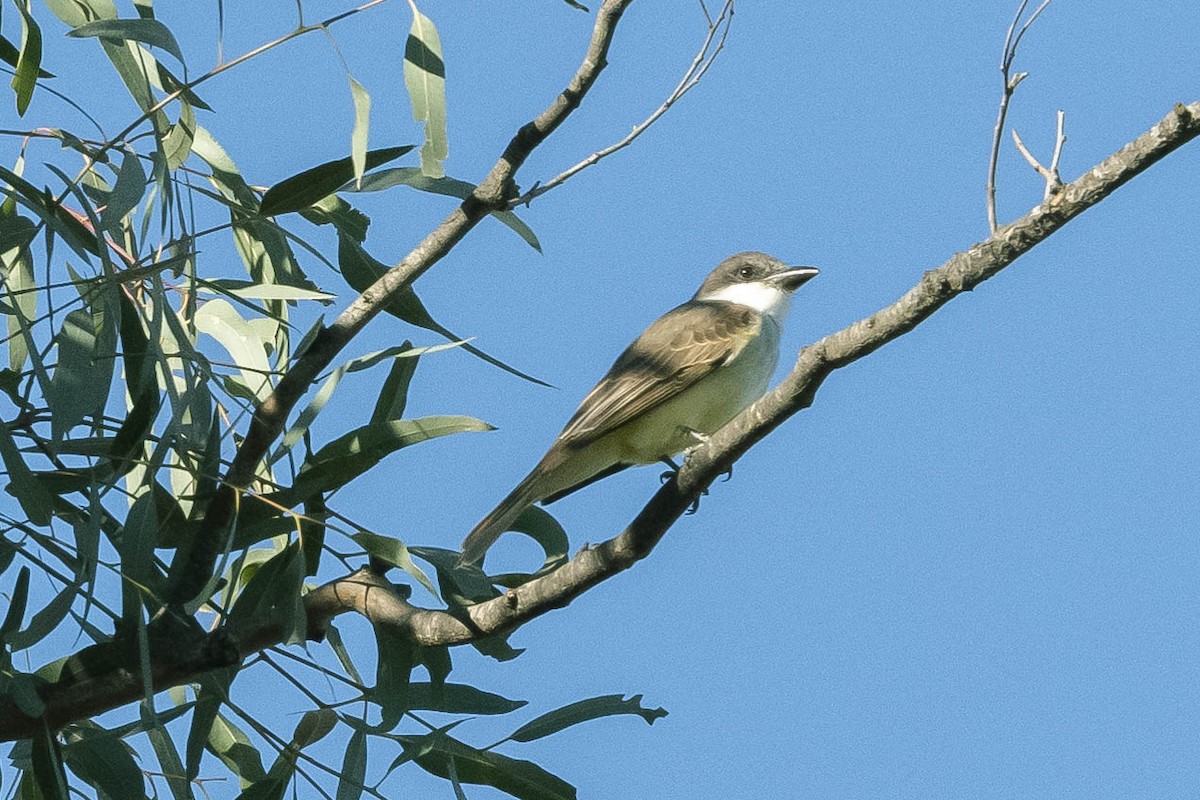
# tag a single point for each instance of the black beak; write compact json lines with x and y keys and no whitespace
{"x":793,"y":278}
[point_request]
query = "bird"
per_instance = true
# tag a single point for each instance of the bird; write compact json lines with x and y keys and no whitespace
{"x":694,"y":369}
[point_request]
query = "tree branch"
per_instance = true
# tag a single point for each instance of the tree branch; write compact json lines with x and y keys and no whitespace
{"x":371,"y":595}
{"x":192,"y":567}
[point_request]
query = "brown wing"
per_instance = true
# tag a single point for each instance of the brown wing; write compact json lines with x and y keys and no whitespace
{"x":678,"y":349}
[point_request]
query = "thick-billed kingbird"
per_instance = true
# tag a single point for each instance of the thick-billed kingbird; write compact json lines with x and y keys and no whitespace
{"x":688,"y":374}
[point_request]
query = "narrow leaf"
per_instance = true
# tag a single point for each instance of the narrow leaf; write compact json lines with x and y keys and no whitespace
{"x":435,"y":752}
{"x":312,"y":185}
{"x":393,"y":395}
{"x":354,"y":767}
{"x":425,"y":79}
{"x":146,"y":31}
{"x":274,"y":594}
{"x":394,"y":552}
{"x":106,"y":764}
{"x":30,"y":60}
{"x":362,"y":124}
{"x":361,"y":270}
{"x":352,"y":454}
{"x":449,"y":187}
{"x":81,"y":380}
{"x":130,"y":186}
{"x":35,"y":501}
{"x":16,"y":606}
{"x":583,"y":711}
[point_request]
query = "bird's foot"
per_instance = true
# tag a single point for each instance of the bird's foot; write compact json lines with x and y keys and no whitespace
{"x":670,"y":473}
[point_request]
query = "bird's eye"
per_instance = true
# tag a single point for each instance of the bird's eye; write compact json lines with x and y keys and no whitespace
{"x":746,"y":273}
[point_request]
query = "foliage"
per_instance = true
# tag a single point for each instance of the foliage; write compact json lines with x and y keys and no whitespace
{"x":133,"y":364}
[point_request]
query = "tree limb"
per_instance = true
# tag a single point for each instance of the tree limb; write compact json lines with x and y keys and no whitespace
{"x":374,"y":597}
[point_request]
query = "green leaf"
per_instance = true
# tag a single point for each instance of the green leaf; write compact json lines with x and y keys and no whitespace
{"x":352,"y":454}
{"x":16,"y":265}
{"x":354,"y":767}
{"x":137,"y":556}
{"x":539,"y":525}
{"x":361,"y":270}
{"x":177,"y":145}
{"x":458,"y":698}
{"x":362,"y":123}
{"x":79,"y":387}
{"x":77,"y":12}
{"x":314,"y":726}
{"x":425,"y":79}
{"x":393,"y":551}
{"x":522,"y":779}
{"x":233,"y":747}
{"x":310,"y":413}
{"x":449,"y":187}
{"x":220,"y":320}
{"x":48,"y":767}
{"x":29,"y":62}
{"x":583,"y":711}
{"x":247,"y":290}
{"x":23,"y":691}
{"x":212,"y":692}
{"x":10,"y":55}
{"x":165,"y":751}
{"x":274,"y":595}
{"x":395,"y":659}
{"x":57,"y":218}
{"x":35,"y":501}
{"x":312,"y":185}
{"x":16,"y":606}
{"x":130,"y":186}
{"x":45,"y":620}
{"x":146,"y":31}
{"x":106,"y":764}
{"x":393,"y":395}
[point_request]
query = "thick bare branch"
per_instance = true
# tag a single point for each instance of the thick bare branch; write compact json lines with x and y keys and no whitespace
{"x":371,"y":595}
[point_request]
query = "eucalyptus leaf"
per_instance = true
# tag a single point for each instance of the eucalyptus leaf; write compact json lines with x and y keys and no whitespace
{"x":449,"y":187}
{"x":362,"y":124}
{"x":312,"y":185}
{"x":352,"y":454}
{"x":425,"y":80}
{"x":106,"y":764}
{"x":584,"y":711}
{"x":81,"y":380}
{"x":29,"y":61}
{"x":130,"y":186}
{"x":146,"y":31}
{"x":33,"y":498}
{"x":354,"y":767}
{"x":361,"y":270}
{"x":434,"y":753}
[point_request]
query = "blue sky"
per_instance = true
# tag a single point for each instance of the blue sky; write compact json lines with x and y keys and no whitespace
{"x":969,"y":569}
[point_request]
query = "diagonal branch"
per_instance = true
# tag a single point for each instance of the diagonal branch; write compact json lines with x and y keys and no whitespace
{"x":192,"y":567}
{"x":371,"y":595}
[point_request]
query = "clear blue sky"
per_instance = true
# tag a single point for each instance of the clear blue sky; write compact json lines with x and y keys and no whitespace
{"x":970,"y":569}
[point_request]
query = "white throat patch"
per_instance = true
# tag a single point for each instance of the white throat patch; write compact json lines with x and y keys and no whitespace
{"x":763,"y":297}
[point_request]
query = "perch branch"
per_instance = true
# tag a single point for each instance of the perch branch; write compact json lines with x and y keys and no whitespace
{"x":367,"y":593}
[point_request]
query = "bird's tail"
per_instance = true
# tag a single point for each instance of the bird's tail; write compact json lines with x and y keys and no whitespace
{"x":499,"y":520}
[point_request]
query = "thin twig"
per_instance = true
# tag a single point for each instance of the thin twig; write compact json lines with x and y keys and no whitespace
{"x":1011,"y":82}
{"x":1049,"y":174}
{"x":704,"y":59}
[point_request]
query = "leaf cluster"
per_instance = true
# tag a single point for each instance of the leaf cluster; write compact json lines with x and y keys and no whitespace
{"x":132,"y":361}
